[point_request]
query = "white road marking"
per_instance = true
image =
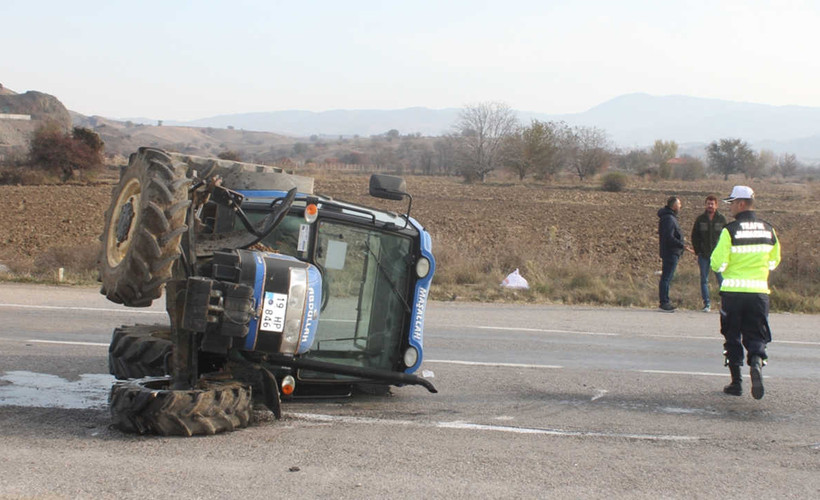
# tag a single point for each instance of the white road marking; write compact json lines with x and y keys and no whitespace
{"x":460,"y":425}
{"x":540,"y":330}
{"x":66,"y":342}
{"x":686,"y":337}
{"x":481,"y":363}
{"x":74,"y":308}
{"x":720,"y":337}
{"x":670,"y":372}
{"x":599,"y":395}
{"x":705,"y":374}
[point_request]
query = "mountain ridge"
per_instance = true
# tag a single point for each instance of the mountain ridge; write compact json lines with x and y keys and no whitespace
{"x":633,"y":120}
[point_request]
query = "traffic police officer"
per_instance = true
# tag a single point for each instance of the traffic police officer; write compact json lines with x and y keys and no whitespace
{"x":746,"y":251}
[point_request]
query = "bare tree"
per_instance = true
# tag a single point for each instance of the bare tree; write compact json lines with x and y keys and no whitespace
{"x":764,"y":164}
{"x":445,"y":154}
{"x":481,"y":131}
{"x":634,"y":160}
{"x":587,"y":149}
{"x":787,"y":165}
{"x":384,"y":157}
{"x":424,"y":159}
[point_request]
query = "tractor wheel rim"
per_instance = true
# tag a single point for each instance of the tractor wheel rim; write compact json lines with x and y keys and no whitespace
{"x":124,"y":218}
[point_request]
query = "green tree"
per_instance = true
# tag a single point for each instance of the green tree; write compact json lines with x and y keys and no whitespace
{"x":482,"y":130}
{"x":729,"y":156}
{"x":533,"y":149}
{"x":663,"y":151}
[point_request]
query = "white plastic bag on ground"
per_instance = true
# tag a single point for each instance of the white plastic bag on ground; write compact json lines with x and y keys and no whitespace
{"x":515,"y":280}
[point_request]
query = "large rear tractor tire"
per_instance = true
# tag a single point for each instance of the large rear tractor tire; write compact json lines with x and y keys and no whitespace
{"x":149,"y":406}
{"x":140,"y":351}
{"x":143,"y":228}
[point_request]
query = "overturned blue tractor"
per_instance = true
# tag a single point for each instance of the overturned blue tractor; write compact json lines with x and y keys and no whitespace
{"x":272,"y":292}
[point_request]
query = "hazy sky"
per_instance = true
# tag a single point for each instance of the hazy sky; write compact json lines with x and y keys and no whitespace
{"x":180,"y":60}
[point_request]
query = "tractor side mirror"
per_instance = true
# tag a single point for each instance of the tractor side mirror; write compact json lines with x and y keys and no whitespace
{"x":388,"y":187}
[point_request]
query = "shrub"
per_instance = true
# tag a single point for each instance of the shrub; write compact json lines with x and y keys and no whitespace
{"x":230,"y":155}
{"x":56,"y":151}
{"x":614,"y":182}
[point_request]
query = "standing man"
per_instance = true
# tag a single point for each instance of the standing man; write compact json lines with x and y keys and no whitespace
{"x":705,"y":235}
{"x":670,"y":237}
{"x":745,"y":253}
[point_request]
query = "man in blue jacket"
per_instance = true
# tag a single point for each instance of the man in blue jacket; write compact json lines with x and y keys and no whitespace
{"x":671,"y":247}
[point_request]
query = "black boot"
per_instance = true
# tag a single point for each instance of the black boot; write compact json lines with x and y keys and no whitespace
{"x":756,"y":372}
{"x":734,"y":388}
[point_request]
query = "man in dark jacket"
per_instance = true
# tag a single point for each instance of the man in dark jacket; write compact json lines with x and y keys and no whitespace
{"x":671,"y":247}
{"x":705,"y":234}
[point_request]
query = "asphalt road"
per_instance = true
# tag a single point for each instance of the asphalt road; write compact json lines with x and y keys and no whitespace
{"x":533,"y":402}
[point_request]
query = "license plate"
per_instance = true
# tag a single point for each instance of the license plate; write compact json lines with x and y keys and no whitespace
{"x":273,"y":312}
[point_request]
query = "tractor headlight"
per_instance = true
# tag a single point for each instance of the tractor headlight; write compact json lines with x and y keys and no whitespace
{"x":422,"y":267}
{"x":295,"y":310}
{"x":411,"y":355}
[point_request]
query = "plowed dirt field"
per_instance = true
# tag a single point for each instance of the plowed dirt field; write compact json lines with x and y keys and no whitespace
{"x":480,"y":231}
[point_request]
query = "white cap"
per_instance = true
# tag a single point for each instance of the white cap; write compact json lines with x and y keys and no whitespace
{"x":740,"y":192}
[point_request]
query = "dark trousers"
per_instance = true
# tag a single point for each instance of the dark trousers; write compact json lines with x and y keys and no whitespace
{"x":744,"y":323}
{"x":667,"y":271}
{"x":704,"y":263}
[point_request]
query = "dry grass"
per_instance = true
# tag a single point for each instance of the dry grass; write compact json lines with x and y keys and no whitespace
{"x":79,"y":264}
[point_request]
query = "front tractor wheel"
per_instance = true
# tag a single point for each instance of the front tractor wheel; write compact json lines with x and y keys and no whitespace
{"x":143,"y":228}
{"x":150,"y":406}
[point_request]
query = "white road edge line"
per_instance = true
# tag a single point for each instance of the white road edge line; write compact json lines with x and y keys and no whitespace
{"x":73,"y":308}
{"x":461,"y":425}
{"x":483,"y":363}
{"x":540,"y":330}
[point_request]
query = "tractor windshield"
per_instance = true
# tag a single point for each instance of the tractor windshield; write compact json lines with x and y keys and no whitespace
{"x":365,"y":275}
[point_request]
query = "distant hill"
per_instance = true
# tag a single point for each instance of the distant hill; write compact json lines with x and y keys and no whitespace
{"x":425,"y":121}
{"x":123,"y":138}
{"x":640,"y":119}
{"x":632,"y":120}
{"x":21,"y":114}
